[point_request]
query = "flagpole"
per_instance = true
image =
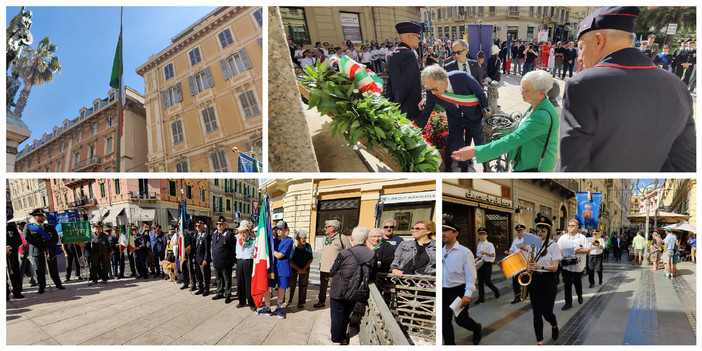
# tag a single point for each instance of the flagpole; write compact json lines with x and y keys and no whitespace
{"x":119,"y":93}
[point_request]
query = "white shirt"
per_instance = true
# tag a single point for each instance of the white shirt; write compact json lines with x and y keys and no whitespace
{"x":516,"y":242}
{"x":487,"y":247}
{"x":306,"y":61}
{"x":553,"y":253}
{"x":365,"y":57}
{"x":594,"y":250}
{"x":298,"y":54}
{"x":575,"y":242}
{"x":458,"y":267}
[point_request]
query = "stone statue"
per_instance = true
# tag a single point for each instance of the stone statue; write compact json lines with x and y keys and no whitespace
{"x":18,"y":35}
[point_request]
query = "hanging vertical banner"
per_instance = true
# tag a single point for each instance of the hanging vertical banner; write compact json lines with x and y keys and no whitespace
{"x":588,"y":208}
{"x":76,"y":232}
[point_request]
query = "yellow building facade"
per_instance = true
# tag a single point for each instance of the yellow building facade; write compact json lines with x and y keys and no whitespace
{"x":203,"y":94}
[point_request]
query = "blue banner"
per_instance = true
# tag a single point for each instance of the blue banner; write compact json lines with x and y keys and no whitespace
{"x":588,"y":208}
{"x":248,"y":164}
{"x":479,"y":38}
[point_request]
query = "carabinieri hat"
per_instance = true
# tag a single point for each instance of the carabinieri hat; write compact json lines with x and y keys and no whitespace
{"x":610,"y":17}
{"x":519,"y":226}
{"x":447,"y":224}
{"x":482,"y":230}
{"x":408,"y":27}
{"x":37,"y":212}
{"x":543,"y":220}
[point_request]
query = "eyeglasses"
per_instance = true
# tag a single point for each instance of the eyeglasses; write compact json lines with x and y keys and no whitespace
{"x":328,"y":226}
{"x":416,"y":229}
{"x":389,"y":227}
{"x":542,"y":229}
{"x":457,"y":52}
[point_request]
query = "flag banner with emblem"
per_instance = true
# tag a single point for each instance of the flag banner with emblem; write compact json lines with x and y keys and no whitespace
{"x":248,"y":164}
{"x":263,"y":254}
{"x":76,"y":232}
{"x":126,"y":240}
{"x":588,"y":208}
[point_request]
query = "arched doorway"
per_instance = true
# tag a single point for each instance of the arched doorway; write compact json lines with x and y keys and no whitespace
{"x":563,"y":213}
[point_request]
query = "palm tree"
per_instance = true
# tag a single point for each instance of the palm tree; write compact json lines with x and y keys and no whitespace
{"x":659,"y":17}
{"x":35,"y":67}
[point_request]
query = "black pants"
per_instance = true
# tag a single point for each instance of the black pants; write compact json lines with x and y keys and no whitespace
{"x":617,"y":254}
{"x":543,"y":295}
{"x":16,"y":275}
{"x":224,"y":281}
{"x":41,"y":269}
{"x":516,"y":288}
{"x":571,"y":279}
{"x":340,"y":316}
{"x":324,"y":278}
{"x":304,"y":282}
{"x":100,"y":265}
{"x":463,"y":319}
{"x":594,"y":264}
{"x":140,"y":260}
{"x":206,"y":274}
{"x":461,"y":132}
{"x":568,"y":67}
{"x":114,"y":261}
{"x":484,"y":274}
{"x":121,"y":262}
{"x":71,"y":259}
{"x":244,"y":269}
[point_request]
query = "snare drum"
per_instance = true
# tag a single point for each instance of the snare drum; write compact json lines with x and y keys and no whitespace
{"x":513,"y":264}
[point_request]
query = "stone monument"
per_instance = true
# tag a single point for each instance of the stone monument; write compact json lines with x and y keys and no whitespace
{"x":18,"y":36}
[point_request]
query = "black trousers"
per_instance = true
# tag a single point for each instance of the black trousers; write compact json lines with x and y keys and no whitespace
{"x":244,"y":268}
{"x":224,"y":281}
{"x":71,"y":259}
{"x":516,"y":288}
{"x":324,"y":278}
{"x":461,"y":132}
{"x":571,"y":279}
{"x":16,"y":275}
{"x":121,"y":263}
{"x":568,"y":67}
{"x":41,"y":269}
{"x":100,"y":265}
{"x":543,"y":295}
{"x":463,"y":319}
{"x":140,"y":260}
{"x":206,"y":274}
{"x":484,"y":274}
{"x":594,"y":264}
{"x":340,"y":316}
{"x":303,"y":283}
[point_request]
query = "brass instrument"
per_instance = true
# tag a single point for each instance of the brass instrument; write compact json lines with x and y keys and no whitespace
{"x":525,"y":277}
{"x":596,"y":243}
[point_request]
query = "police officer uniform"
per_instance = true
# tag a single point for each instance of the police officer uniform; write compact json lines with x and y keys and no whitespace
{"x":404,"y":85}
{"x":203,"y":259}
{"x":223,"y":258}
{"x":543,"y":286}
{"x":43,"y":249}
{"x":14,"y":242}
{"x":141,"y":247}
{"x":99,"y":248}
{"x":625,"y":100}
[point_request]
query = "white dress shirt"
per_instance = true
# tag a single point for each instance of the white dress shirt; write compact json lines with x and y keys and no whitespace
{"x":487,"y":247}
{"x":458,"y":267}
{"x":576,"y":242}
{"x":553,"y":253}
{"x":516,"y":242}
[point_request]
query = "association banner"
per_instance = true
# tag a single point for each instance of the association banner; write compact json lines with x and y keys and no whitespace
{"x":588,"y":208}
{"x":76,"y":232}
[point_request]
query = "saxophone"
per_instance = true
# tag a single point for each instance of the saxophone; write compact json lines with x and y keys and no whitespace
{"x":525,"y":277}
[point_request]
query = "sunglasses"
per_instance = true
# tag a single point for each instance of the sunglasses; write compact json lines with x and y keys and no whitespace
{"x":542,"y":229}
{"x":389,"y":227}
{"x":457,"y":52}
{"x":417,"y":229}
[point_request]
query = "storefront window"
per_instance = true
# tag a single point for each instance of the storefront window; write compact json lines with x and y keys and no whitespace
{"x":295,"y":24}
{"x":406,"y":215}
{"x":345,"y":211}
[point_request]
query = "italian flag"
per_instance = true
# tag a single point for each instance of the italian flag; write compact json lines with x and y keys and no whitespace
{"x":183,"y":238}
{"x":462,"y":100}
{"x":263,"y":254}
{"x":126,"y":240}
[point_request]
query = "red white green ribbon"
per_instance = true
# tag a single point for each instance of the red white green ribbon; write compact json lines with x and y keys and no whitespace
{"x":462,"y":100}
{"x":363,"y":78}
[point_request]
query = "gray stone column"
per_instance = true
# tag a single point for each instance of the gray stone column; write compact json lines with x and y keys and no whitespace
{"x":15,"y":136}
{"x":289,"y":143}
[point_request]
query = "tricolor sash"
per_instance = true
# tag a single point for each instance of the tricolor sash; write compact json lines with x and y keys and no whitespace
{"x":461,"y":100}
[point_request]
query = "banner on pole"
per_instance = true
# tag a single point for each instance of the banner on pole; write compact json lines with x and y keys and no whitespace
{"x":588,"y":208}
{"x":76,"y":232}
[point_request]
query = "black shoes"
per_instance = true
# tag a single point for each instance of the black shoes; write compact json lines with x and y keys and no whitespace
{"x":240,"y":305}
{"x":184,"y":287}
{"x":207,"y":292}
{"x":566,"y":306}
{"x":591,"y":286}
{"x":478,"y":334}
{"x":199,"y":292}
{"x":18,"y":296}
{"x":40,"y":291}
{"x":580,"y":300}
{"x":217,"y":297}
{"x":60,"y":287}
{"x":479,"y":301}
{"x":228,"y":300}
{"x":554,"y":332}
{"x":516,"y":300}
{"x":319,"y":305}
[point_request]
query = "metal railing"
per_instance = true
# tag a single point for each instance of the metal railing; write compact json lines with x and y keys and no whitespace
{"x":86,"y":163}
{"x":378,"y":325}
{"x":413,"y":298}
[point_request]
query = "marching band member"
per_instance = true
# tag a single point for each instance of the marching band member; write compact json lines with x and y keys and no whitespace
{"x":543,"y":280}
{"x":575,"y":243}
{"x":486,"y":252}
{"x":518,"y":244}
{"x":594,"y":263}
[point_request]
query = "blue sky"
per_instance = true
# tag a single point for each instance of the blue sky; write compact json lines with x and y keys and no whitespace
{"x":86,"y":38}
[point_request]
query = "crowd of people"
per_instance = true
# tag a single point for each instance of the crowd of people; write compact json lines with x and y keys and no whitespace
{"x":569,"y":254}
{"x":230,"y":253}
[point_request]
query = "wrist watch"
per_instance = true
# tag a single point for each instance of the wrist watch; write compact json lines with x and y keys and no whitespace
{"x":542,"y":268}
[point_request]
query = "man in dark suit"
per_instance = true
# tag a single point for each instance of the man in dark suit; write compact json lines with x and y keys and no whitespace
{"x":203,"y":259}
{"x":404,"y":86}
{"x":465,"y":103}
{"x":223,"y":258}
{"x":43,"y":238}
{"x":618,"y":243}
{"x":461,"y":62}
{"x":622,"y":98}
{"x":14,"y":241}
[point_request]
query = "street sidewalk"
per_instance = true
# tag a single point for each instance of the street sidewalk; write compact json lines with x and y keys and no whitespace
{"x":133,"y":311}
{"x":633,"y":306}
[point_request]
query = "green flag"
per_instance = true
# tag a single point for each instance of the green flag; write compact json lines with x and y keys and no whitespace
{"x":116,"y":66}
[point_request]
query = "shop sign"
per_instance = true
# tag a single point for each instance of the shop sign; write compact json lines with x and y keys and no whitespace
{"x":408,"y":197}
{"x":491,"y":199}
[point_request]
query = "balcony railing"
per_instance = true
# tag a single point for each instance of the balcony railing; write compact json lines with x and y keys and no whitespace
{"x":87,"y":163}
{"x":513,"y":14}
{"x":138,"y":195}
{"x":413,"y":299}
{"x":378,"y":325}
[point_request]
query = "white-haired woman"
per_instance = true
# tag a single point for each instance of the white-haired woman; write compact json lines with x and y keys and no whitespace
{"x":300,"y":261}
{"x":533,"y":146}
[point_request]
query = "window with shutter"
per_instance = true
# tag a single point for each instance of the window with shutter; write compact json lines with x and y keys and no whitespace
{"x":168,"y":71}
{"x":258,"y":15}
{"x":225,"y":38}
{"x":249,"y":104}
{"x":195,"y":57}
{"x":208,"y":117}
{"x":219,"y":161}
{"x":177,"y":131}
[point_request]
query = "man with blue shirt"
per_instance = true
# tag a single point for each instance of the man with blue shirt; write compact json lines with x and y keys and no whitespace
{"x":458,"y":280}
{"x":158,"y":248}
{"x":282,"y":246}
{"x":668,"y":251}
{"x":692,"y":241}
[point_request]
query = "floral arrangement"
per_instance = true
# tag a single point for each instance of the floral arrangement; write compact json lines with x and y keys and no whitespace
{"x":436,"y":130}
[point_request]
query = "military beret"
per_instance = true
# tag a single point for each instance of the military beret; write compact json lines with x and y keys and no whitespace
{"x":543,"y":220}
{"x":519,"y":226}
{"x":610,"y":17}
{"x":408,"y":27}
{"x":447,"y":224}
{"x":37,"y":212}
{"x":108,"y":228}
{"x":482,"y":230}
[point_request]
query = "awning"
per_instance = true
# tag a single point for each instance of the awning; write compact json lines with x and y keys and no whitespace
{"x":99,"y":215}
{"x":145,"y":215}
{"x":460,"y":201}
{"x":112,"y":218}
{"x":684,"y":226}
{"x":19,"y":219}
{"x":173,"y":212}
{"x":663,"y":217}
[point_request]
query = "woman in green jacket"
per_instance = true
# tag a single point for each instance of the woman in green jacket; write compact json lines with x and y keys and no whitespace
{"x":533,"y":146}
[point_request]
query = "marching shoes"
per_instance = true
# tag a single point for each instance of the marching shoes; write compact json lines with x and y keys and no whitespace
{"x":554,"y":332}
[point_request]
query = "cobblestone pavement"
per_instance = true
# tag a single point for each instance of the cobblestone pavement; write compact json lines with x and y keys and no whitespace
{"x":634,"y":305}
{"x":155,"y":312}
